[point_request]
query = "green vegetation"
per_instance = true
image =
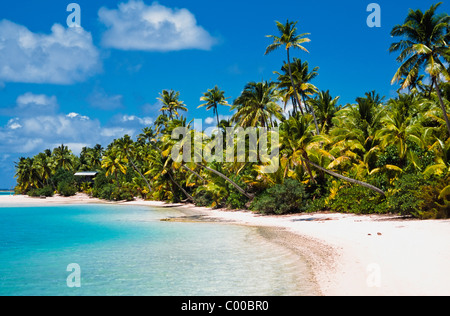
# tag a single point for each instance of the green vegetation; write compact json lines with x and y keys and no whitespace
{"x":373,"y":156}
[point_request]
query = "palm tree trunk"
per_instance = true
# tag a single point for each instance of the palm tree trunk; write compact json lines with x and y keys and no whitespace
{"x":314,"y":116}
{"x":140,"y":173}
{"x":217,"y":114}
{"x":292,"y":83}
{"x":242,"y":191}
{"x":183,"y":166}
{"x":334,"y":174}
{"x":296,"y":95}
{"x":189,"y":197}
{"x":438,"y":90}
{"x":193,"y":172}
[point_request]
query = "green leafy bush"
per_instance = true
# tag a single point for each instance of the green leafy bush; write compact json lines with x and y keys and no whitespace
{"x":290,"y":197}
{"x":61,"y":176}
{"x":358,"y":200}
{"x":236,"y":200}
{"x":435,"y":199}
{"x":46,"y":191}
{"x":67,"y":189}
{"x":404,"y":198}
{"x":203,"y":198}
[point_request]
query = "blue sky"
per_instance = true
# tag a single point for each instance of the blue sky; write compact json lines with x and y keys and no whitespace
{"x":96,"y":83}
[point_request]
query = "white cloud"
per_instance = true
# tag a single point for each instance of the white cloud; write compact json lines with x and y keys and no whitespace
{"x":30,"y":104}
{"x":137,"y":26}
{"x":14,"y":123}
{"x":140,"y":120}
{"x":64,"y":56}
{"x":74,"y":115}
{"x":209,"y":120}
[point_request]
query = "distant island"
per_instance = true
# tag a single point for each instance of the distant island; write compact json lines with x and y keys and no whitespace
{"x":374,"y":156}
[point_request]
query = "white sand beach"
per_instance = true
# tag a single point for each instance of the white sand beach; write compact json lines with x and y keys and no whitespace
{"x":350,"y":255}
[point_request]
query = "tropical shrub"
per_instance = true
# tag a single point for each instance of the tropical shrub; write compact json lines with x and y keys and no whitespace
{"x":404,"y":198}
{"x":289,"y":197}
{"x":62,"y":175}
{"x":46,"y":191}
{"x":434,"y":199}
{"x":358,"y":200}
{"x":67,"y":189}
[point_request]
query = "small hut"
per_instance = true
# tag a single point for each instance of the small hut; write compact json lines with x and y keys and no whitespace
{"x":86,"y":176}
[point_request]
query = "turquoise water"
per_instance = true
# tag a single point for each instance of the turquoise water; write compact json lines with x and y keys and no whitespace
{"x":127,"y":250}
{"x":5,"y":193}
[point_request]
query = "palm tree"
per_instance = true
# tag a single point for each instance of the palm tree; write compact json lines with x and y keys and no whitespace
{"x":41,"y":165}
{"x":299,"y":142}
{"x":425,"y":46}
{"x":114,"y":162}
{"x":171,"y":103}
{"x":26,"y":175}
{"x":95,"y":157}
{"x":63,"y":157}
{"x":290,"y":39}
{"x":213,"y":98}
{"x":302,"y":78}
{"x":361,"y":120}
{"x":398,"y":130}
{"x":128,"y":148}
{"x":257,"y":105}
{"x":148,"y":135}
{"x":162,"y":166}
{"x":325,"y":107}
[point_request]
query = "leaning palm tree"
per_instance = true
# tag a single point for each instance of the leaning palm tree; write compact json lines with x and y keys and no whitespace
{"x":213,"y":98}
{"x":299,"y":143}
{"x":424,"y":46}
{"x":131,"y":150}
{"x":290,"y":39}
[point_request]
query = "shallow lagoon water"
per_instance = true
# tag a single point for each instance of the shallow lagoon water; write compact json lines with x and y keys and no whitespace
{"x":128,"y":250}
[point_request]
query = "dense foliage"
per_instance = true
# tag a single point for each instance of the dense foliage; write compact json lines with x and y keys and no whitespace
{"x":372,"y":156}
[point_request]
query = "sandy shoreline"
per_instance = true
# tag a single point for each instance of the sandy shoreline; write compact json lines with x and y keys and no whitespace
{"x":350,"y":255}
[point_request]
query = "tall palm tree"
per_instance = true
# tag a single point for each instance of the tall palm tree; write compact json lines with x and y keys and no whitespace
{"x":289,"y":38}
{"x":424,"y":46}
{"x":213,"y":98}
{"x":257,"y":105}
{"x":302,"y":78}
{"x":171,"y":103}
